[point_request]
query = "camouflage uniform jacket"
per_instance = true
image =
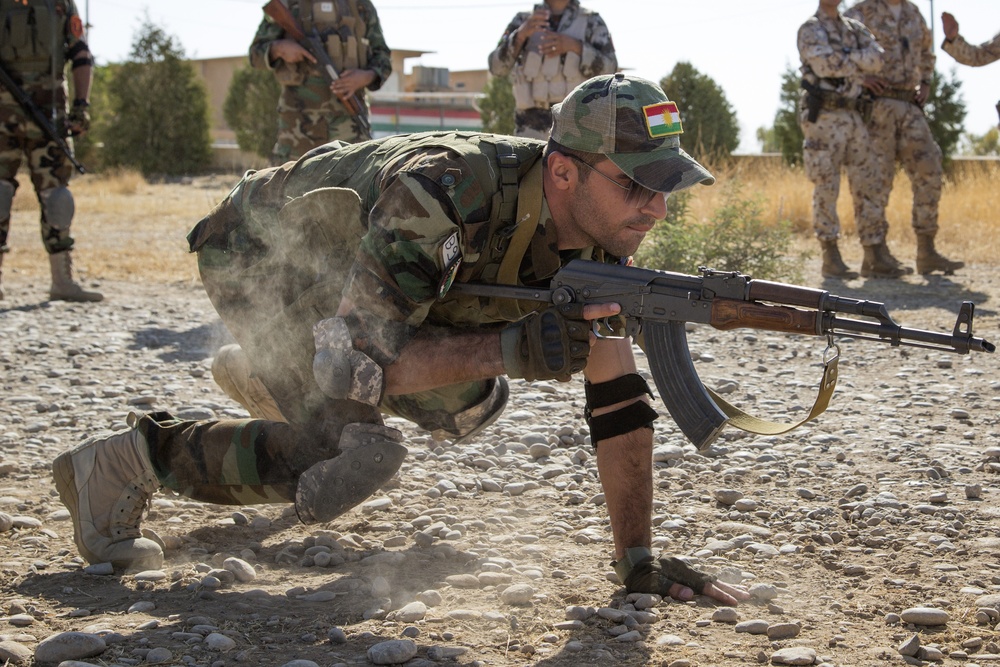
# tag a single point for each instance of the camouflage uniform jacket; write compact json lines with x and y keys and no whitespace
{"x":836,"y":53}
{"x":379,"y":54}
{"x":430,"y":206}
{"x":27,"y":28}
{"x":598,"y":55}
{"x":909,"y":53}
{"x":969,"y":54}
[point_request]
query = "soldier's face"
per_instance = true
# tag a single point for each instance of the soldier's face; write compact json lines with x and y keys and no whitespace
{"x":600,"y":212}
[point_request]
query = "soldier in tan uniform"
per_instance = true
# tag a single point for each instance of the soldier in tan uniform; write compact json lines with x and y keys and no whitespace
{"x":310,"y":112}
{"x":548,"y":52}
{"x":898,"y":128}
{"x":37,"y":39}
{"x":836,"y":54}
{"x":332,"y":344}
{"x":968,"y":54}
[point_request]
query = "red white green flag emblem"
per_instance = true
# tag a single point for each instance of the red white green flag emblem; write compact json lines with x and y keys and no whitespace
{"x":663,"y":119}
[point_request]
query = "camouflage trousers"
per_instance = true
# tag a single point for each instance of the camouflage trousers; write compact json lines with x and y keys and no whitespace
{"x":838,"y":140}
{"x":309,"y":116}
{"x":899,"y":132}
{"x":20,"y":137}
{"x":270,"y":300}
{"x":533,"y":123}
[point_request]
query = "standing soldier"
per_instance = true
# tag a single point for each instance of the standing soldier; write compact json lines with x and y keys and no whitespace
{"x":548,"y":52}
{"x":967,"y":54}
{"x":898,"y":128}
{"x":310,"y":111}
{"x":37,"y":39}
{"x":836,"y":53}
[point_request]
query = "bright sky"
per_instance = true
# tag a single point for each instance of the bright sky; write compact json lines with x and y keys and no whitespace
{"x":744,"y":46}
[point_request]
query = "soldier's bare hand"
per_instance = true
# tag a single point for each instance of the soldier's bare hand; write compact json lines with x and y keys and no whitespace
{"x":950,"y":26}
{"x":923,"y":92}
{"x":876,"y":84}
{"x":556,"y":44}
{"x":351,"y":81}
{"x":290,"y":51}
{"x":538,"y":21}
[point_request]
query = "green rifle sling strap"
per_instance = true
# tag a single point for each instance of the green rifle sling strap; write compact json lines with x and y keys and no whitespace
{"x":751,"y":424}
{"x":529,"y":211}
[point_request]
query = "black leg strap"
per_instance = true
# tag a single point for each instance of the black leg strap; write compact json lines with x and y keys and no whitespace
{"x":624,"y":420}
{"x":603,"y":394}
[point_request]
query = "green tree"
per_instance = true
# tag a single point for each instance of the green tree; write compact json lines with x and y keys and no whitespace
{"x":157,"y":109}
{"x":985,"y":144}
{"x":251,"y":109}
{"x":496,"y":109}
{"x":945,"y":111}
{"x":710,"y":126}
{"x":787,"y":131}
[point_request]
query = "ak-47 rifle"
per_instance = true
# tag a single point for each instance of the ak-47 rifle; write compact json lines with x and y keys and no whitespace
{"x":38,"y":116}
{"x":656,"y":304}
{"x":313,"y":43}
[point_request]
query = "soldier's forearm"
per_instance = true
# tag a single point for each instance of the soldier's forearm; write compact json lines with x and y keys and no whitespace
{"x":436,"y":359}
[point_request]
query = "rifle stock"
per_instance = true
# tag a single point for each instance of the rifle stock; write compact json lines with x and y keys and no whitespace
{"x":656,"y":304}
{"x":38,"y":116}
{"x":312,"y":43}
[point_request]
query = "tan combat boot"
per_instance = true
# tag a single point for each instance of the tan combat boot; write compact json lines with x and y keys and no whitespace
{"x":929,"y":260}
{"x":231,"y":371}
{"x":64,"y":288}
{"x":833,"y":264}
{"x":107,"y":483}
{"x":879,"y":263}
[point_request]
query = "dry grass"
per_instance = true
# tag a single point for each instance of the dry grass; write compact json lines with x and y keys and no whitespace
{"x":128,"y":229}
{"x":125,"y":228}
{"x":968,"y":212}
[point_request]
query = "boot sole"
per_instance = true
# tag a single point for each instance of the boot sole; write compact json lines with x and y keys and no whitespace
{"x":65,"y":479}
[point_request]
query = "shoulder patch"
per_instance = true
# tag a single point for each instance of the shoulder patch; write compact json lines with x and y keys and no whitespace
{"x":75,"y":26}
{"x":451,"y":259}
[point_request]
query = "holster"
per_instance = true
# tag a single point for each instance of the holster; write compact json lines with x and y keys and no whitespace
{"x":866,"y":104}
{"x":813,"y":105}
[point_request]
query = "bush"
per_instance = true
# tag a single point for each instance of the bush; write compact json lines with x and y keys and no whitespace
{"x":251,"y":110}
{"x":735,"y":239}
{"x":157,"y":116}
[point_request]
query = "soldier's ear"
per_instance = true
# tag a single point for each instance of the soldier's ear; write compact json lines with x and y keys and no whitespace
{"x":563,"y":171}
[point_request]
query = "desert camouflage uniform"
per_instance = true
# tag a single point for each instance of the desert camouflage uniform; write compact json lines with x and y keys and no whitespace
{"x":308,"y":113}
{"x":969,"y":54}
{"x":20,"y":136}
{"x":598,"y":58}
{"x":898,"y":128}
{"x":836,"y":53}
{"x":272,"y":258}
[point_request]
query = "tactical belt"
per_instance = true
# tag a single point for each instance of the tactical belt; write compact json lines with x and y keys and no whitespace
{"x":830,"y":102}
{"x":902,"y":94}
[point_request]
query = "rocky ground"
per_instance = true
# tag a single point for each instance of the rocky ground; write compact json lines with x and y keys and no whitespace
{"x":870,"y":536}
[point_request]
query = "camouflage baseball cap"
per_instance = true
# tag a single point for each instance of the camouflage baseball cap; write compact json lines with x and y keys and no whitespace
{"x":631,"y":121}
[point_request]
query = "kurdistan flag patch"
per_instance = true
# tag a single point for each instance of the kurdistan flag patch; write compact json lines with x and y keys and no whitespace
{"x":663,"y":120}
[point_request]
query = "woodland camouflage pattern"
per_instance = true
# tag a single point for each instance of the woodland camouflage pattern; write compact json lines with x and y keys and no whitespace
{"x":308,"y":113}
{"x":604,"y":115}
{"x":898,"y":128}
{"x":272,"y":259}
{"x":21,"y":138}
{"x":838,"y":137}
